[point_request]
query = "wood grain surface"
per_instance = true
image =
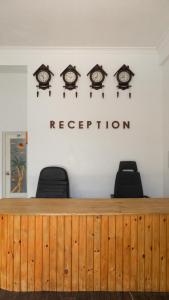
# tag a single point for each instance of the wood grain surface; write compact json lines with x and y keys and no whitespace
{"x":84,"y":253}
{"x":71,"y":206}
{"x":84,"y":244}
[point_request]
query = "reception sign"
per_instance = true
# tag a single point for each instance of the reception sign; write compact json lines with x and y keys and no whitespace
{"x":88,"y":124}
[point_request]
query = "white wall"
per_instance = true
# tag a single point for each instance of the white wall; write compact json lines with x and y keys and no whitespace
{"x":165,"y":77}
{"x":13,"y":92}
{"x":163,"y":52}
{"x":91,"y":157}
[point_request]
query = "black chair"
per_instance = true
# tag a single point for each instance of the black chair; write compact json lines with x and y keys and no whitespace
{"x":53,"y":183}
{"x":128,"y":181}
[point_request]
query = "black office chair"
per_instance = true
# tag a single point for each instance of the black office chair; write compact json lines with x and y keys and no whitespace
{"x":128,"y":181}
{"x":53,"y":183}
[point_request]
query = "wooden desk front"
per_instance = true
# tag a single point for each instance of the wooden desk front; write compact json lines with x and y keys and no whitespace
{"x":84,"y":244}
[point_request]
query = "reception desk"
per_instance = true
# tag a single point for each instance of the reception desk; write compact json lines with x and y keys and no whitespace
{"x":84,"y":244}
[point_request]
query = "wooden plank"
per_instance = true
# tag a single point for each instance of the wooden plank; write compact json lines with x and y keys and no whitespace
{"x":148,"y":252}
{"x":89,"y":253}
{"x":82,"y":253}
{"x":163,"y":252}
{"x":24,"y":253}
{"x":141,"y":253}
{"x":17,"y":253}
{"x":10,"y":255}
{"x":104,"y":253}
{"x":119,"y":253}
{"x":60,"y":253}
{"x":4,"y":234}
{"x":167,"y":252}
{"x":111,"y":254}
{"x":68,"y":254}
{"x":52,"y":252}
{"x":45,"y":258}
{"x":133,"y":256}
{"x":38,"y":253}
{"x":75,"y":253}
{"x":134,"y":253}
{"x":97,"y":232}
{"x":84,"y":206}
{"x":31,"y":253}
{"x":155,"y":253}
{"x":126,"y":253}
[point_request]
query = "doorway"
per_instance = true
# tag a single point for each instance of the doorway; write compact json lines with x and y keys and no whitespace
{"x":14,"y":164}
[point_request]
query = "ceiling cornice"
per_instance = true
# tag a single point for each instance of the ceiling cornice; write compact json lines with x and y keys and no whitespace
{"x":81,"y":49}
{"x":23,"y":55}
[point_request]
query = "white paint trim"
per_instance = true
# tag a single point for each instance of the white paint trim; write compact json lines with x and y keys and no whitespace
{"x":23,"y":55}
{"x":163,"y":48}
{"x":6,"y":48}
{"x":151,"y":50}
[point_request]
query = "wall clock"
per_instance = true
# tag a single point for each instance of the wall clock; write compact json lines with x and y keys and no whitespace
{"x":124,"y":76}
{"x":97,"y":76}
{"x":70,"y":76}
{"x":43,"y":76}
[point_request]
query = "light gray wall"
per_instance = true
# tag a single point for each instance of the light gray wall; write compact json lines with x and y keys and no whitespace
{"x":92,"y":157}
{"x":13,"y":101}
{"x":165,"y":86}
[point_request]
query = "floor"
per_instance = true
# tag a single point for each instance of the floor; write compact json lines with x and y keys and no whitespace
{"x":82,"y":296}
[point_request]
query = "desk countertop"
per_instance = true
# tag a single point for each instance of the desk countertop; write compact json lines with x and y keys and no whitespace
{"x":71,"y":206}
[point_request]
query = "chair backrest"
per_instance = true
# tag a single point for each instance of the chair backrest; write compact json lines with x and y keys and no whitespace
{"x":128,"y":181}
{"x":53,"y":183}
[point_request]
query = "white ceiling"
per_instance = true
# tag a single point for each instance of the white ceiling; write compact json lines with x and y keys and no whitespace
{"x":83,"y":23}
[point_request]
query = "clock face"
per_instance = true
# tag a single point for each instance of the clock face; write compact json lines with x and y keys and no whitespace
{"x":124,"y":77}
{"x":97,"y":76}
{"x":43,"y":76}
{"x":70,"y":77}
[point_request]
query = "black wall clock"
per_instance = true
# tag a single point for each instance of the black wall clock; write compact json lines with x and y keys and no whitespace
{"x":70,"y":76}
{"x":97,"y":76}
{"x":124,"y":76}
{"x":43,"y":76}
